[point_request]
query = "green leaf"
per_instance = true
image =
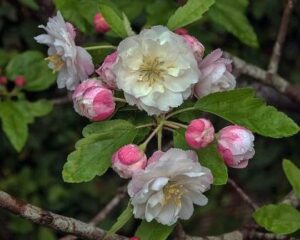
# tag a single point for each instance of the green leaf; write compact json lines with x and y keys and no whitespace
{"x":280,"y":219}
{"x":121,"y":221}
{"x":114,"y":19}
{"x":93,"y":153}
{"x":292,"y":172}
{"x":33,"y":66}
{"x":31,"y":4}
{"x":153,"y":231}
{"x":241,"y":107}
{"x":231,"y":15}
{"x":17,"y":115}
{"x":190,"y":12}
{"x":210,"y":158}
{"x":179,"y":139}
{"x":79,"y":12}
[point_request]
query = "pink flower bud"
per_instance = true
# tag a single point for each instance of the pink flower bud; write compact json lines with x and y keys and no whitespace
{"x":3,"y":80}
{"x":128,"y":160}
{"x":235,"y":144}
{"x":134,"y":238}
{"x":195,"y":45}
{"x":20,"y":81}
{"x":105,"y":70}
{"x":215,"y":75}
{"x":93,"y":100}
{"x":100,"y":24}
{"x":200,"y":133}
{"x":181,"y":31}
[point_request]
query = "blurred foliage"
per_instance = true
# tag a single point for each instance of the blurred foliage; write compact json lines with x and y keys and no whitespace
{"x":34,"y":175}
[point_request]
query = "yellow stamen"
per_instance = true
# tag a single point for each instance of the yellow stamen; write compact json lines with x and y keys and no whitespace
{"x":56,"y":61}
{"x":173,"y":192}
{"x":151,"y":70}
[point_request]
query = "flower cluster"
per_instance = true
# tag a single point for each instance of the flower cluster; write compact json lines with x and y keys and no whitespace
{"x":156,"y":71}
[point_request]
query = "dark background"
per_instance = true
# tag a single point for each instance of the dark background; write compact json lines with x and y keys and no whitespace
{"x":34,"y":175}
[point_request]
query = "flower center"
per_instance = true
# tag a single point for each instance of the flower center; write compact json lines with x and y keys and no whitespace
{"x":151,"y":70}
{"x":173,"y":192}
{"x":56,"y":61}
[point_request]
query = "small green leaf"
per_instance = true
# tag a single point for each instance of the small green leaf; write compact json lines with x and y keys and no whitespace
{"x":16,"y":115}
{"x":190,"y":12}
{"x":113,"y":18}
{"x":280,"y":219}
{"x":241,"y":107}
{"x":33,"y":66}
{"x":210,"y":158}
{"x":125,"y":216}
{"x":179,"y":139}
{"x":231,"y":15}
{"x":31,"y":4}
{"x":93,"y":153}
{"x":153,"y":231}
{"x":292,"y":172}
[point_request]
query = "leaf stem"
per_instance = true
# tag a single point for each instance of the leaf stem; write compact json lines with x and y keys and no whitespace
{"x":145,"y":125}
{"x":180,"y":111}
{"x":143,"y":146}
{"x":120,"y":100}
{"x":91,"y":48}
{"x":175,"y":124}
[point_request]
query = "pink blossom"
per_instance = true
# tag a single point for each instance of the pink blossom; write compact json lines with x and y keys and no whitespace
{"x":93,"y":100}
{"x":105,"y":70}
{"x":200,"y":133}
{"x":181,"y":31}
{"x":3,"y":80}
{"x":195,"y":45}
{"x":216,"y":75}
{"x":20,"y":81}
{"x":128,"y":160}
{"x":100,"y":24}
{"x":235,"y":144}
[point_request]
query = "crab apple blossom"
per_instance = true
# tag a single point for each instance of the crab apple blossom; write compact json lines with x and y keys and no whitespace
{"x":128,"y":160}
{"x":181,"y":31}
{"x":73,"y":63}
{"x":105,"y":70}
{"x":195,"y":45}
{"x":156,"y":69}
{"x":168,"y":187}
{"x":20,"y":81}
{"x":93,"y":100}
{"x":3,"y":80}
{"x":200,"y":133}
{"x":100,"y":24}
{"x":216,"y":76}
{"x":235,"y":144}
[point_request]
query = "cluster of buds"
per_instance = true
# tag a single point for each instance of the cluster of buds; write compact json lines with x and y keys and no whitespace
{"x":19,"y":81}
{"x":235,"y":143}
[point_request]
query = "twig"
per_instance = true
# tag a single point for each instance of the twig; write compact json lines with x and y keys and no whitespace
{"x":278,"y":83}
{"x":273,"y":65}
{"x":54,"y":221}
{"x":62,"y":100}
{"x":179,"y":232}
{"x":243,"y":195}
{"x":104,"y":212}
{"x":291,"y":199}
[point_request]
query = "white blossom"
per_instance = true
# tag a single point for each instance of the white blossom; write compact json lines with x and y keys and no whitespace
{"x":156,"y":70}
{"x":169,"y":186}
{"x":73,"y":63}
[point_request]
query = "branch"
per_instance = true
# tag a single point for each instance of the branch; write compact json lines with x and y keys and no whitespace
{"x":273,"y":65}
{"x":291,"y":199}
{"x":104,"y":212}
{"x":277,"y":82}
{"x":51,"y":220}
{"x":243,"y":195}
